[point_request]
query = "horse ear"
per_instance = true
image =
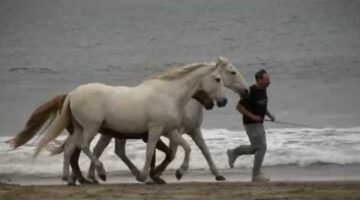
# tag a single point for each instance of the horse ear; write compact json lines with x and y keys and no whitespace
{"x":221,"y":61}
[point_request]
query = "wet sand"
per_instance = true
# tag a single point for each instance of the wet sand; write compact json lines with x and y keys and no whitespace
{"x":192,"y":190}
{"x":288,"y":182}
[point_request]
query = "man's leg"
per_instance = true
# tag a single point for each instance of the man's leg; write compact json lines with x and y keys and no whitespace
{"x":238,"y":151}
{"x":257,"y":138}
{"x":242,"y":149}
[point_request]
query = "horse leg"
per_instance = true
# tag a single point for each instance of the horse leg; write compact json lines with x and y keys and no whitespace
{"x":99,"y":148}
{"x":69,"y":148}
{"x":76,"y":173}
{"x":121,"y":153}
{"x":154,"y":135}
{"x":178,"y":139}
{"x":74,"y":163}
{"x":88,"y":134}
{"x":153,"y":163}
{"x":170,"y":155}
{"x":153,"y":174}
{"x":199,"y":141}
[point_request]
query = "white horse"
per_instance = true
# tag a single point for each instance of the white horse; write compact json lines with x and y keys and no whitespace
{"x":191,"y":123}
{"x":210,"y":84}
{"x":155,"y":106}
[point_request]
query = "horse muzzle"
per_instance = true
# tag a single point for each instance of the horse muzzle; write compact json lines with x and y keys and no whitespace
{"x":221,"y":102}
{"x":209,"y":105}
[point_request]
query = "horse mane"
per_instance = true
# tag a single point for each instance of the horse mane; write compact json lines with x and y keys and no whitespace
{"x":181,"y":71}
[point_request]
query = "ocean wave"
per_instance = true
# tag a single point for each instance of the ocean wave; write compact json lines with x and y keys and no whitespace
{"x":32,"y":70}
{"x":302,"y":147}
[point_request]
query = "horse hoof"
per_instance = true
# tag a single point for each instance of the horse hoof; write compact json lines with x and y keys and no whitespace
{"x":65,"y":178}
{"x":71,"y":184}
{"x":93,"y":180}
{"x":88,"y":182}
{"x":138,"y":178}
{"x":149,"y":183}
{"x":102,"y":177}
{"x":220,"y":178}
{"x":178,"y":175}
{"x":158,"y":180}
{"x":141,"y":178}
{"x":101,"y":172}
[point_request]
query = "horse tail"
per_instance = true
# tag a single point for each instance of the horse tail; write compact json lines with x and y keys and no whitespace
{"x":59,"y":149}
{"x":55,"y":129}
{"x":42,"y":114}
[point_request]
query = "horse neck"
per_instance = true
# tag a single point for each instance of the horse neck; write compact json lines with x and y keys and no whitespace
{"x":186,"y":87}
{"x":194,"y":113}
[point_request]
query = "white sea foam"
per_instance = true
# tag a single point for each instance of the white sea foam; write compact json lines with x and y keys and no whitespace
{"x":290,"y":146}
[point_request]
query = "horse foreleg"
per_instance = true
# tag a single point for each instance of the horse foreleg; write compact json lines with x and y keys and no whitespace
{"x":153,"y":137}
{"x":178,"y":139}
{"x":170,"y":155}
{"x":99,"y":148}
{"x":153,"y":171}
{"x":121,"y":153}
{"x":199,"y":141}
{"x":154,"y":176}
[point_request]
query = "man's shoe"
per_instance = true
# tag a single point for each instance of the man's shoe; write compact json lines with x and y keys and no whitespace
{"x":231,"y":158}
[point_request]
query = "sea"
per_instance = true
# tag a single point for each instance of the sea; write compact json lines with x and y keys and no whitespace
{"x":311,"y":49}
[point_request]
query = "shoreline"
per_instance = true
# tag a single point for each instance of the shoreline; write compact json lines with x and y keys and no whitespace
{"x":285,"y":173}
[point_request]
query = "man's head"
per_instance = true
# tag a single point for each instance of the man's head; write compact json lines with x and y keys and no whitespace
{"x":262,"y":78}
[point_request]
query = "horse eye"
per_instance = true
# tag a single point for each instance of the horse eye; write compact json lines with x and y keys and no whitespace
{"x":233,"y":73}
{"x":217,"y":80}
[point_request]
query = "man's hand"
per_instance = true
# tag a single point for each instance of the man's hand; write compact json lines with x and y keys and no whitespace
{"x":256,"y":118}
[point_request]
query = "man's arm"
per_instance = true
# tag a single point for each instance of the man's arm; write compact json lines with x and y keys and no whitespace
{"x":241,"y":108}
{"x":271,"y":116}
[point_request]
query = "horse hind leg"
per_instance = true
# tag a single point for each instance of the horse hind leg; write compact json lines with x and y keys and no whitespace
{"x":74,"y":159}
{"x":69,"y":148}
{"x":76,"y":172}
{"x":87,"y":135}
{"x":103,"y":142}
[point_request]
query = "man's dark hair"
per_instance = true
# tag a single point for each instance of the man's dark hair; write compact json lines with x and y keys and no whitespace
{"x":259,"y":74}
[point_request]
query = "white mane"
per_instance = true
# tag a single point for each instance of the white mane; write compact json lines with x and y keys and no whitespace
{"x":178,"y":72}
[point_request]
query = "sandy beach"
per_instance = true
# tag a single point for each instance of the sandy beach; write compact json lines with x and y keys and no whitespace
{"x":226,"y":190}
{"x":318,"y":182}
